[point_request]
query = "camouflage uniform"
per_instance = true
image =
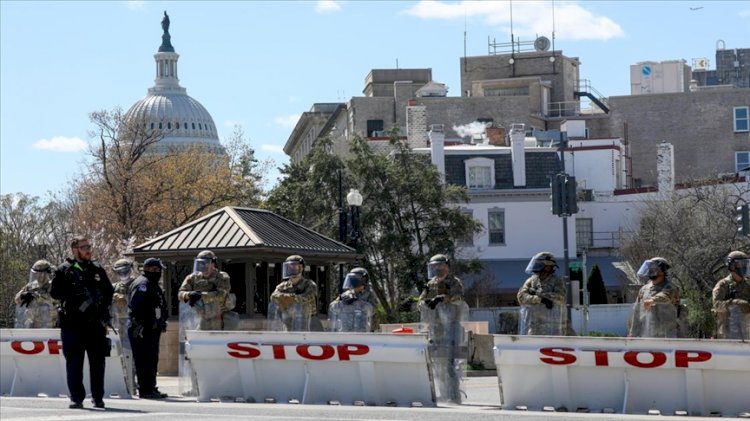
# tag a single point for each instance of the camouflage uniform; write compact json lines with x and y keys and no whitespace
{"x":305,"y":293}
{"x":120,"y":305}
{"x":731,"y":300}
{"x":661,"y":320}
{"x":351,"y":312}
{"x":215,"y":291}
{"x":543,"y":321}
{"x":41,"y":312}
{"x":451,"y":288}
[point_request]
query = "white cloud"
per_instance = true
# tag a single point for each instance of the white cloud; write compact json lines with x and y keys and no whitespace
{"x":61,"y":144}
{"x":745,"y":13}
{"x":530,"y":18}
{"x":294,"y":99}
{"x":266,"y":147}
{"x":135,"y":4}
{"x":471,"y":129}
{"x":327,"y":6}
{"x":288,"y":121}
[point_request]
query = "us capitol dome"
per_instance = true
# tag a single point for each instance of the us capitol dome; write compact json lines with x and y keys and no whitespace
{"x":182,"y":120}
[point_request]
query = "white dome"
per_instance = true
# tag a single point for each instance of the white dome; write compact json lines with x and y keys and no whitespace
{"x":181,"y":120}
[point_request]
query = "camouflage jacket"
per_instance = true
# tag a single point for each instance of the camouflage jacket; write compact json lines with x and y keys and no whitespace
{"x":451,"y":288}
{"x":665,"y":292}
{"x":214,"y":289}
{"x":41,"y":294}
{"x":120,"y":299}
{"x":728,"y":289}
{"x":305,"y":292}
{"x":534,"y":289}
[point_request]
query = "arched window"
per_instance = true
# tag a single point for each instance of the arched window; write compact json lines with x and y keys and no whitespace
{"x":200,"y":127}
{"x":160,"y":126}
{"x":169,"y":125}
{"x":193,"y":126}
{"x":185,"y":126}
{"x":152,"y":126}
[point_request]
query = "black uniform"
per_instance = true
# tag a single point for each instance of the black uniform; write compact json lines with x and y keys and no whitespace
{"x":85,"y":294}
{"x":148,"y":319}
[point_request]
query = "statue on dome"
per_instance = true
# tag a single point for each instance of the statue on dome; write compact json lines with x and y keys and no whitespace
{"x":165,"y":23}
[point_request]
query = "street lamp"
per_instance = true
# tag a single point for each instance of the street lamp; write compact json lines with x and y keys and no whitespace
{"x":354,"y":199}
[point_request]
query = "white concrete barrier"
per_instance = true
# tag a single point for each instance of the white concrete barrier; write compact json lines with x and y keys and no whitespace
{"x":311,"y":367}
{"x":632,"y":376}
{"x":32,"y":364}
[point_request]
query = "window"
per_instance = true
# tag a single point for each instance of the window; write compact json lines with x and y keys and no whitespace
{"x":480,"y":173}
{"x":741,"y":119}
{"x":467,"y":241}
{"x":374,"y":126}
{"x":584,"y":233}
{"x":496,"y":224}
{"x":741,"y":161}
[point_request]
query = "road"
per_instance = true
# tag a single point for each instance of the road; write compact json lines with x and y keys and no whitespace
{"x":482,"y":403}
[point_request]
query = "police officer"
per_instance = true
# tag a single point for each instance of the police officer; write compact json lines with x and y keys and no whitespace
{"x":543,"y":298}
{"x":148,"y":319}
{"x":442,"y":286}
{"x":731,"y":299}
{"x":206,"y":290}
{"x":655,"y":308}
{"x":85,"y":295}
{"x":35,"y":307}
{"x":296,"y":289}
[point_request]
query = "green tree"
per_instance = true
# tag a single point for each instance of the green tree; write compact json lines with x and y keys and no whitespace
{"x":597,"y":291}
{"x":407,"y":213}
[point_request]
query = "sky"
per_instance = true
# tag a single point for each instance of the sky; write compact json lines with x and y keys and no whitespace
{"x":262,"y":64}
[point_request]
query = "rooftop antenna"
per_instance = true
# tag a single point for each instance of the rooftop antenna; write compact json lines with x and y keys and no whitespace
{"x":552,"y":59}
{"x":396,"y":64}
{"x":465,"y":24}
{"x":512,"y":41}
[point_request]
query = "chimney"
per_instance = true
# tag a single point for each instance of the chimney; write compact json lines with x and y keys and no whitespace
{"x":665,"y":167}
{"x":496,"y":136}
{"x":437,"y":148}
{"x":517,"y":153}
{"x":416,"y":125}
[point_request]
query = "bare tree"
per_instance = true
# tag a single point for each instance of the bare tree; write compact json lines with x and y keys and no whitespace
{"x":694,"y":229}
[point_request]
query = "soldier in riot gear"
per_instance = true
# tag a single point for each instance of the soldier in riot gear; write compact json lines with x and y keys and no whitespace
{"x":442,"y":309}
{"x":148,"y":319}
{"x":123,"y":268}
{"x":542,"y":298}
{"x":35,"y":308}
{"x":206,"y":290}
{"x":731,"y":299}
{"x":366,"y":293}
{"x":351,"y":311}
{"x":295,"y":298}
{"x":655,"y":310}
{"x":85,"y":295}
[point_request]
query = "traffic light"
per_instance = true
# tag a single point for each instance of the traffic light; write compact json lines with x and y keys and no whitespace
{"x":564,"y":200}
{"x":743,"y":220}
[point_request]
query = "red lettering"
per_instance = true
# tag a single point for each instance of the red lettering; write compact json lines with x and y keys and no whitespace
{"x":601,"y":357}
{"x":18,"y":347}
{"x":683,"y":358}
{"x":326,"y":352}
{"x":351,"y":349}
{"x":559,"y":356}
{"x":658,"y":359}
{"x":54,"y":346}
{"x":243,"y":350}
{"x":279,"y":353}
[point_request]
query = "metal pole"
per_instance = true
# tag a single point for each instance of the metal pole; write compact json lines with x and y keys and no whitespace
{"x":585,"y":294}
{"x":342,"y":229}
{"x":563,"y":143}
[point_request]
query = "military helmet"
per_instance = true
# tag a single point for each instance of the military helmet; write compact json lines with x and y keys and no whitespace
{"x":206,"y":254}
{"x":41,"y":266}
{"x":735,"y":255}
{"x":295,"y":258}
{"x":539,"y":261}
{"x":360,"y":271}
{"x":662,"y":262}
{"x":121,"y":264}
{"x":440,"y":258}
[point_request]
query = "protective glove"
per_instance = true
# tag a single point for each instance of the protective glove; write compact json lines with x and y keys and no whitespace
{"x":742,"y":304}
{"x":194,"y":297}
{"x":531,"y":291}
{"x":547,"y":303}
{"x":26,"y":298}
{"x":348,"y":299}
{"x":435,"y":301}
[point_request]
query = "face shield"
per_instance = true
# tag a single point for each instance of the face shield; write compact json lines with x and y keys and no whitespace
{"x":124,"y":272}
{"x":290,"y":268}
{"x":741,"y":266}
{"x":439,"y":269}
{"x":648,"y":270}
{"x":201,"y":265}
{"x":353,"y":280}
{"x":38,"y":278}
{"x":537,"y":265}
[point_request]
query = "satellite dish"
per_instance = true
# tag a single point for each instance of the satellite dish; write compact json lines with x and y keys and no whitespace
{"x":542,"y":44}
